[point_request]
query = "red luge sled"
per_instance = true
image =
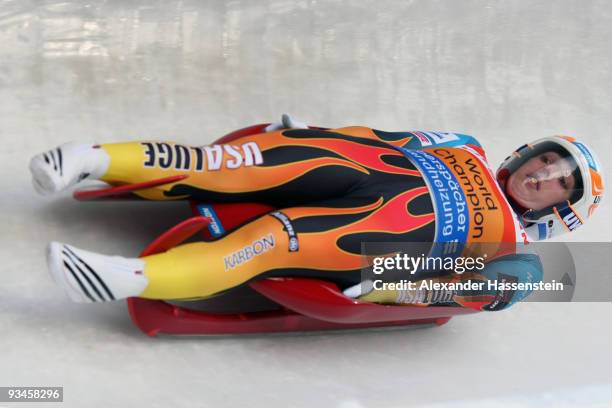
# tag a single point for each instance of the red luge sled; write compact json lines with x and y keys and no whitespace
{"x":263,"y":306}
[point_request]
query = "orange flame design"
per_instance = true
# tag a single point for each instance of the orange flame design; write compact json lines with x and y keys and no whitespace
{"x":320,"y":250}
{"x":365,"y":155}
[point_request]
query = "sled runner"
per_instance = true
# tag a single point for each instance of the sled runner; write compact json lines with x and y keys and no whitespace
{"x":262,"y":306}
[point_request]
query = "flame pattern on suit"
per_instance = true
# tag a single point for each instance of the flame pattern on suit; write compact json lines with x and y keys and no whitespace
{"x":338,"y":188}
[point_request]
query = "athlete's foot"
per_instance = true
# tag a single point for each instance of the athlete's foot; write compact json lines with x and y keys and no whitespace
{"x":89,"y":277}
{"x":66,"y":165}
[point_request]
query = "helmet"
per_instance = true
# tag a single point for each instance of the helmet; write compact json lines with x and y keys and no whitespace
{"x":585,"y":192}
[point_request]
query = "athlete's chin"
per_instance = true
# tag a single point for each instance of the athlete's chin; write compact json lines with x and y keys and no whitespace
{"x":516,"y":196}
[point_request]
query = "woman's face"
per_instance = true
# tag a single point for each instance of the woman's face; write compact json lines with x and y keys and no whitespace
{"x":541,"y":181}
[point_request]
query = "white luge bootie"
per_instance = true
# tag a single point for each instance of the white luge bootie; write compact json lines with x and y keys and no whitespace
{"x":66,"y":165}
{"x":88,"y":277}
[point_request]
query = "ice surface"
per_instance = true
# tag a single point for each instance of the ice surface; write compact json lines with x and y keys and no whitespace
{"x":504,"y":71}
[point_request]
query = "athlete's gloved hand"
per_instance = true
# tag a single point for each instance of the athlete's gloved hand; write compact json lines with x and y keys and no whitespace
{"x":359,"y":289}
{"x":287,"y":122}
{"x":365,"y":291}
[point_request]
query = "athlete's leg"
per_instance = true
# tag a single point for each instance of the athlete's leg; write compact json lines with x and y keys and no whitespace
{"x":283,"y":168}
{"x":268,"y":168}
{"x":320,"y":241}
{"x":271,"y":244}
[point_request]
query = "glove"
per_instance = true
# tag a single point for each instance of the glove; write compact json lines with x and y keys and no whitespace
{"x":287,"y":122}
{"x":365,"y":291}
{"x":359,"y":290}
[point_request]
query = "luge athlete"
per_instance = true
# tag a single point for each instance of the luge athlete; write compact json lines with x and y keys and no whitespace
{"x":333,"y":190}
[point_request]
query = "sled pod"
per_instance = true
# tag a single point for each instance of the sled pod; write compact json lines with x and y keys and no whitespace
{"x":283,"y":304}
